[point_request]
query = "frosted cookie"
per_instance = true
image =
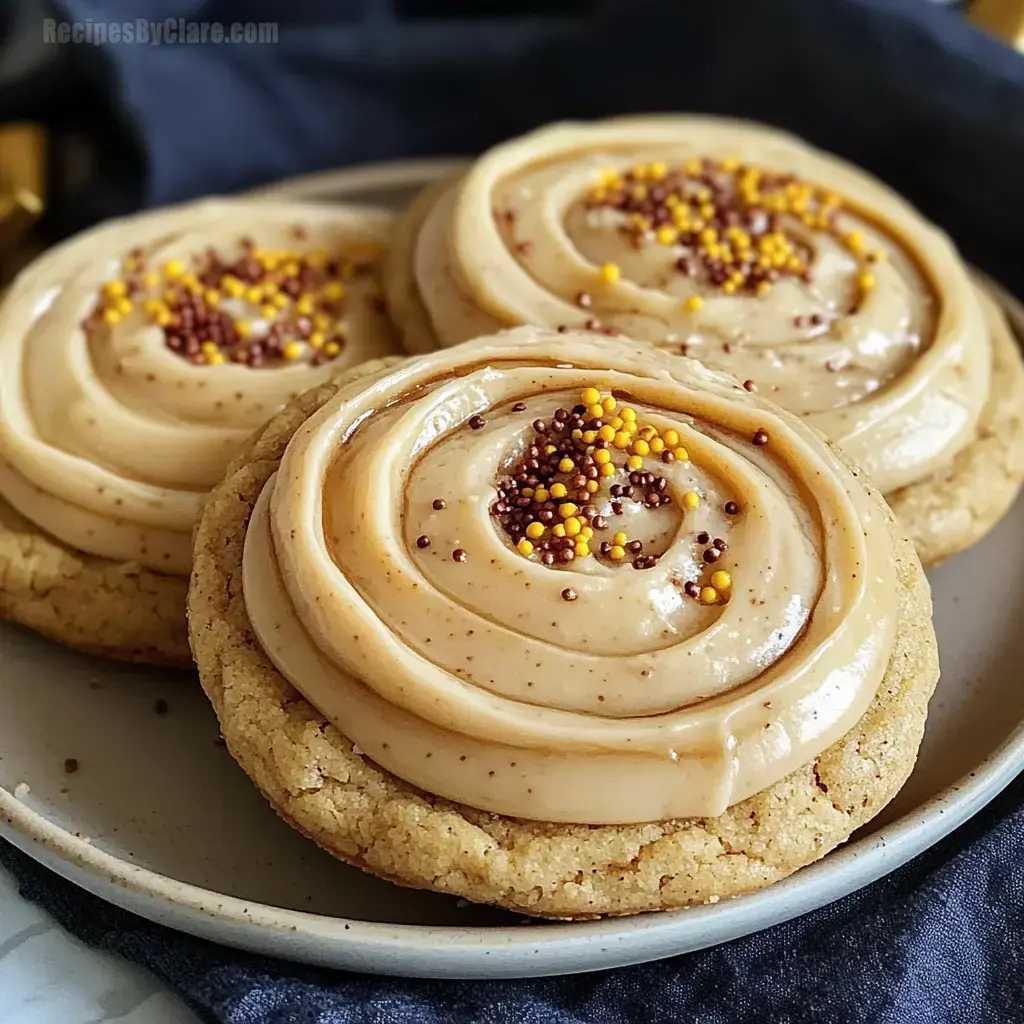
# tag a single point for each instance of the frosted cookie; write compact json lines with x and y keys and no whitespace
{"x":747,"y":249}
{"x":563,"y":624}
{"x":135,"y":360}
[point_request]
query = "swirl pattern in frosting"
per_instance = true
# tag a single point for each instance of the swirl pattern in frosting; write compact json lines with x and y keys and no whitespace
{"x":732,"y":243}
{"x":739,"y":625}
{"x":137,"y":357}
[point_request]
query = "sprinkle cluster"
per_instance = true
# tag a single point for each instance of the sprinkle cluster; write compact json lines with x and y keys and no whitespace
{"x":263,"y":307}
{"x":734,"y":226}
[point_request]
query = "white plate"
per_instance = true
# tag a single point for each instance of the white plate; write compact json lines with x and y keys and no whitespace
{"x":158,"y":818}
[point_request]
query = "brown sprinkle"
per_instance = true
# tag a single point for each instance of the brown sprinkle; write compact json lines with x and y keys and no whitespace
{"x":439,"y":503}
{"x":71,"y":765}
{"x":760,"y":438}
{"x":458,"y":555}
{"x":423,"y":542}
{"x":569,"y":594}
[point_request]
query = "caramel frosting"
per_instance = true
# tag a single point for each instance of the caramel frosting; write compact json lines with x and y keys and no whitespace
{"x":574,"y":579}
{"x":137,"y":357}
{"x":735,"y":244}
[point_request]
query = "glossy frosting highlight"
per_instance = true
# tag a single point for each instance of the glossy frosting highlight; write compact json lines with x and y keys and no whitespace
{"x":475,"y":678}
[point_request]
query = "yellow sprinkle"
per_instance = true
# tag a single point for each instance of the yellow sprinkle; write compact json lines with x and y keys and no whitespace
{"x":292,"y":350}
{"x":269,"y":260}
{"x":567,"y":509}
{"x":268,"y":312}
{"x":763,"y":288}
{"x":691,"y":499}
{"x":694,"y":166}
{"x":212,"y":297}
{"x":708,"y":595}
{"x":280,"y":300}
{"x":866,"y":280}
{"x":620,"y":538}
{"x":595,"y":411}
{"x":115,"y":289}
{"x":558,"y":530}
{"x":641,"y":447}
{"x":582,"y":549}
{"x":630,"y":427}
{"x":621,"y":439}
{"x":331,"y":349}
{"x":566,"y":465}
{"x":215,"y":359}
{"x":207,"y":347}
{"x":124,"y":306}
{"x":173,"y":269}
{"x":535,"y":530}
{"x":628,"y":414}
{"x":321,"y":321}
{"x":608,"y":469}
{"x":878,"y":256}
{"x":541,"y":495}
{"x":854,"y":242}
{"x":164,"y":318}
{"x":667,"y":235}
{"x":151,"y":280}
{"x":693,"y":303}
{"x":610,"y":273}
{"x":577,"y":433}
{"x":558,"y":491}
{"x":617,"y":553}
{"x":316,"y":339}
{"x":608,"y":404}
{"x":527,"y":492}
{"x":647,"y":432}
{"x":721,"y":580}
{"x":588,"y":396}
{"x":525,"y":547}
{"x":550,"y":449}
{"x":681,"y":454}
{"x":606,"y":433}
{"x":254,"y":295}
{"x":616,"y":422}
{"x":587,"y":532}
{"x":572,"y":527}
{"x":634,"y":462}
{"x":111,"y":316}
{"x":729,"y":164}
{"x":729,"y":287}
{"x":593,"y":486}
{"x":333,"y":290}
{"x":602,"y":456}
{"x":657,"y":445}
{"x":590,"y":436}
{"x":671,"y":437}
{"x":658,"y":170}
{"x":304,"y":305}
{"x":290,"y":269}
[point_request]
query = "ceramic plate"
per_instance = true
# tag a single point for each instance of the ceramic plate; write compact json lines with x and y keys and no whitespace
{"x":157,"y":818}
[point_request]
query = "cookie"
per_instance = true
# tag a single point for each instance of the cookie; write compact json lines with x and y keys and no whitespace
{"x":743,"y":247}
{"x":135,"y":360}
{"x":372,"y":674}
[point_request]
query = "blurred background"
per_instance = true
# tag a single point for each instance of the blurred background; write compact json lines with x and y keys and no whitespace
{"x":110,"y":105}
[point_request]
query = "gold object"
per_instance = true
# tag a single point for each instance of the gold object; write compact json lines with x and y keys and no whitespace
{"x":1003,"y":18}
{"x":22,"y":156}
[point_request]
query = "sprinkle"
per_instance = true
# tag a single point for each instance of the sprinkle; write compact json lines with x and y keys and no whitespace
{"x":721,"y":580}
{"x":681,"y":454}
{"x":866,"y":281}
{"x":458,"y":555}
{"x":569,"y":594}
{"x":423,"y":541}
{"x":693,"y":303}
{"x":750,"y":385}
{"x":620,"y":538}
{"x":616,"y":552}
{"x":634,"y":462}
{"x":691,"y":500}
{"x":732,"y":508}
{"x":621,"y":439}
{"x":609,"y":404}
{"x":610,"y":273}
{"x":476,"y":422}
{"x":558,"y":491}
{"x":708,"y":595}
{"x":760,"y":437}
{"x":525,"y":547}
{"x":291,"y":350}
{"x":641,"y":447}
{"x":671,"y":437}
{"x":567,"y":509}
{"x":566,"y":465}
{"x":438,"y":504}
{"x":535,"y":531}
{"x":590,"y":396}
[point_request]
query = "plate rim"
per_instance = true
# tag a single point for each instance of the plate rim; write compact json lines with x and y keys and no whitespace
{"x":530,"y":950}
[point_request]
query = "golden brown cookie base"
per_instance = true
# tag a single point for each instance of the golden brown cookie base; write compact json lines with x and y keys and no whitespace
{"x":115,"y":609}
{"x":367,"y":817}
{"x":955,"y":507}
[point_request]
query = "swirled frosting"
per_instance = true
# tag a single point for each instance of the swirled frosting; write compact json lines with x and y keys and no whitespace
{"x":382,"y":578}
{"x":135,"y":359}
{"x":733,"y":243}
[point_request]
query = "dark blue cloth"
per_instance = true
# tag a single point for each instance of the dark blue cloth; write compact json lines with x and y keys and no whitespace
{"x":901,"y":87}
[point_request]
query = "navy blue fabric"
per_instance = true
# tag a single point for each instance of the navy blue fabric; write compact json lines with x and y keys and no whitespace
{"x":901,"y":87}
